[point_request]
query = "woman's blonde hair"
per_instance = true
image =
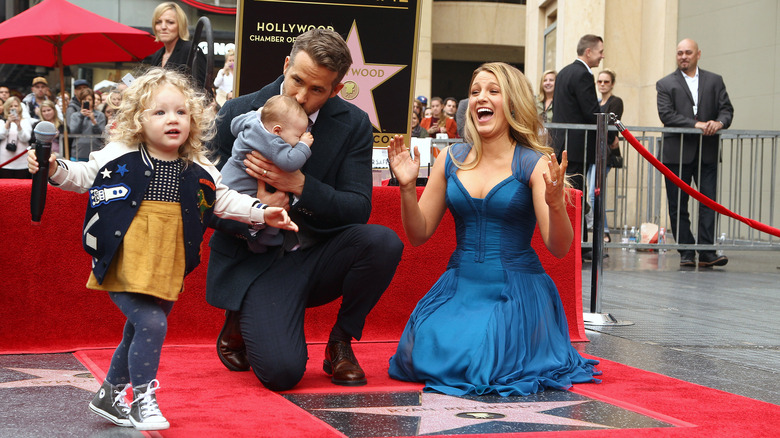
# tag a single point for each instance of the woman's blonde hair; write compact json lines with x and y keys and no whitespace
{"x":138,"y":99}
{"x":7,"y":107}
{"x":611,"y":74}
{"x":519,"y":109}
{"x":53,"y":106}
{"x":181,"y":19}
{"x":540,"y":97}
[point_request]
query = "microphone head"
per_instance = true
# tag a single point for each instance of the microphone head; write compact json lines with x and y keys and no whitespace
{"x":45,"y":131}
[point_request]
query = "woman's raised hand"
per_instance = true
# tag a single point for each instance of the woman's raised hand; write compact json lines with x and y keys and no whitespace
{"x":401,"y":163}
{"x":554,"y":179}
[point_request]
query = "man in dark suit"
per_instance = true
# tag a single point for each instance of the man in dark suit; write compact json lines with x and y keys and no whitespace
{"x":710,"y":110}
{"x":576,"y":102}
{"x":335,"y":254}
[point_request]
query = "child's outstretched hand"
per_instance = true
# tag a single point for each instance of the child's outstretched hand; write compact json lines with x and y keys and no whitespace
{"x":32,"y":162}
{"x":277,"y":217}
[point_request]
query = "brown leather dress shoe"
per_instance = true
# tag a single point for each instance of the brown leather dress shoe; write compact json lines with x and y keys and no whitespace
{"x":230,"y":345}
{"x":340,"y":363}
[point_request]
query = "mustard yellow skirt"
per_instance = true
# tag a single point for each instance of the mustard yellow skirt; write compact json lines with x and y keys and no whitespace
{"x":150,"y":260}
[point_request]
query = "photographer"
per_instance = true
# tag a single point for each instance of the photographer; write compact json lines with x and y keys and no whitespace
{"x":224,"y":80}
{"x":74,"y":105}
{"x":87,"y":125}
{"x":15,"y":133}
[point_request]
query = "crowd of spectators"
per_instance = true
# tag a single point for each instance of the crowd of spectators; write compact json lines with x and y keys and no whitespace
{"x":87,"y":117}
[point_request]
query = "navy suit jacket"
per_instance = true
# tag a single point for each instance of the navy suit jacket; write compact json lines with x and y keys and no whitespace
{"x":336,"y":194}
{"x":575,"y":102}
{"x":675,"y":109}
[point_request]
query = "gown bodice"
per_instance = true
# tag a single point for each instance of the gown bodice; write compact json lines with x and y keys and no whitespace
{"x":497,"y":228}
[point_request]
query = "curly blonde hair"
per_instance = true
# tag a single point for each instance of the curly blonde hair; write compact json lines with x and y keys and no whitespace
{"x":139,"y":98}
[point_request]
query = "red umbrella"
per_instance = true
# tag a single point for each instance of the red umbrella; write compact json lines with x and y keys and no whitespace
{"x":55,"y":33}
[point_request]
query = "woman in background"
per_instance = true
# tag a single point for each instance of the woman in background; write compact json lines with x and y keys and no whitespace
{"x":417,"y":130}
{"x":171,"y":28}
{"x":49,"y":114}
{"x":15,"y":134}
{"x":89,"y":124}
{"x":609,"y":104}
{"x":544,"y":100}
{"x":224,"y":80}
{"x":439,"y":122}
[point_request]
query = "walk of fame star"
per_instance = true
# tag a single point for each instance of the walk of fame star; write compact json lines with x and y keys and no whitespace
{"x":45,"y":377}
{"x":439,"y":413}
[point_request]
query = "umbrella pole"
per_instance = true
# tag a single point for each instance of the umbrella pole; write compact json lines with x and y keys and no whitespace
{"x":65,"y":149}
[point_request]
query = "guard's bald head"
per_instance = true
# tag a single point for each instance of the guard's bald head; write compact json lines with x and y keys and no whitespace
{"x":688,"y":44}
{"x":688,"y":55}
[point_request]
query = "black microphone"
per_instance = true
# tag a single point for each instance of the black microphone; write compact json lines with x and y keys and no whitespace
{"x":44,"y":134}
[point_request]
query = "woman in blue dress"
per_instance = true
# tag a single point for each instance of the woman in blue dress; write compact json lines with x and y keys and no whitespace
{"x":493,"y":322}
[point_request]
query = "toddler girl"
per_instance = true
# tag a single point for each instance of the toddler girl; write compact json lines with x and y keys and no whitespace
{"x":152,"y":194}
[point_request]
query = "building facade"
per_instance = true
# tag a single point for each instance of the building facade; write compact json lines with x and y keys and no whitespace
{"x":739,"y":39}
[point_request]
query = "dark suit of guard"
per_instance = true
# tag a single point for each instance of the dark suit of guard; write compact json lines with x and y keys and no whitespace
{"x":675,"y":109}
{"x":576,"y":102}
{"x":340,"y":255}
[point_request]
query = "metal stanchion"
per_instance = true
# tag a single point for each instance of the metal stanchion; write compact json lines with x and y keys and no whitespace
{"x":595,"y":317}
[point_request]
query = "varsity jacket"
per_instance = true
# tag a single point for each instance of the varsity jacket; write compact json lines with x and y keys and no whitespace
{"x":117,"y":177}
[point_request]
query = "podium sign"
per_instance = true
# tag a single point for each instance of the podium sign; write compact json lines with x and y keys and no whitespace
{"x":382,"y":36}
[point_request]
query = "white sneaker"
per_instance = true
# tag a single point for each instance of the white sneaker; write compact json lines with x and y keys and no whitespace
{"x":144,"y":412}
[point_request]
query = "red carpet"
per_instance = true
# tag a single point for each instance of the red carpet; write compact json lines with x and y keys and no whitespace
{"x":201,"y":398}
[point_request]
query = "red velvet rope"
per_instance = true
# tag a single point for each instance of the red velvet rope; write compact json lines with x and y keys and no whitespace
{"x":14,"y":158}
{"x":690,"y":190}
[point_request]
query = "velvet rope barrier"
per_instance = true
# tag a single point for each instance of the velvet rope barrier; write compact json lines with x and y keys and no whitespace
{"x":15,"y":157}
{"x":688,"y":189}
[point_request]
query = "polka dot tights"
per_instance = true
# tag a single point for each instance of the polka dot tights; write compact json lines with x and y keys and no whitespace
{"x":137,"y":357}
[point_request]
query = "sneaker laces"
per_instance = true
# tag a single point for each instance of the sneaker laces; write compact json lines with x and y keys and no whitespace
{"x":120,"y":400}
{"x":147,"y":402}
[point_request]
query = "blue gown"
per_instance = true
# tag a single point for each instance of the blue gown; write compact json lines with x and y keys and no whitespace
{"x":493,"y":322}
